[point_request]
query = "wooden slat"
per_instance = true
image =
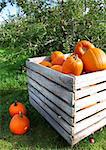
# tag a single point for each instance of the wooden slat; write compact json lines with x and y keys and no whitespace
{"x":98,"y":97}
{"x":39,"y":59}
{"x":89,"y":111}
{"x":60,"y":121}
{"x":56,"y":89}
{"x":56,"y":100}
{"x":52,"y":106}
{"x":90,"y":79}
{"x":60,"y":78}
{"x":89,"y":121}
{"x":53,"y":123}
{"x":90,"y":90}
{"x":90,"y":130}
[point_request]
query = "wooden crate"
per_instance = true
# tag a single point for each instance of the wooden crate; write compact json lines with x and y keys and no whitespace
{"x":61,"y":99}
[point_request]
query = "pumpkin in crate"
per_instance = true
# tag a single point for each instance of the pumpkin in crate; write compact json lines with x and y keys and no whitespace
{"x":19,"y":124}
{"x":57,"y":58}
{"x":82,"y":46}
{"x":17,"y":107}
{"x":73,"y":65}
{"x":94,"y":60}
{"x":46,"y":63}
{"x":57,"y":68}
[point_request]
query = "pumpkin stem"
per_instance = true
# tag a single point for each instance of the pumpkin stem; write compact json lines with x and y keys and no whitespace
{"x":21,"y":114}
{"x":15,"y":103}
{"x":76,"y":56}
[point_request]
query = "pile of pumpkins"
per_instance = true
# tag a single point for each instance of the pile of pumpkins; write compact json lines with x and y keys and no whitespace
{"x":19,"y":123}
{"x":85,"y":58}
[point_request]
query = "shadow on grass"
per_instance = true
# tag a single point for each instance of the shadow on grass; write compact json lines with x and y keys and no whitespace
{"x":41,"y":134}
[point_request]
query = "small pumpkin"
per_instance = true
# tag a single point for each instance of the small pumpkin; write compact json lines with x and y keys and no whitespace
{"x":82,"y":46}
{"x":57,"y":58}
{"x":94,"y":60}
{"x":46,"y":63}
{"x":73,"y":65}
{"x":17,"y":107}
{"x":19,"y":124}
{"x":57,"y":68}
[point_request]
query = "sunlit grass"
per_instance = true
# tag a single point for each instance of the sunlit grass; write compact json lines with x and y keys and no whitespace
{"x":13,"y":85}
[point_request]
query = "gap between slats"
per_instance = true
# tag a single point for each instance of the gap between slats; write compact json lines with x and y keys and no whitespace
{"x":55,"y":99}
{"x":90,"y":90}
{"x":87,"y":112}
{"x":53,"y":123}
{"x":90,"y":79}
{"x":89,"y":121}
{"x":90,"y":130}
{"x":52,"y":106}
{"x":52,"y":87}
{"x":98,"y":97}
{"x":62,"y":123}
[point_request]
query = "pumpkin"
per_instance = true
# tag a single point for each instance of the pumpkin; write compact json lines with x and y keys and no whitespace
{"x":82,"y":46}
{"x":94,"y":60}
{"x":17,"y":107}
{"x":57,"y":58}
{"x":46,"y":63}
{"x":19,"y":124}
{"x":73,"y":65}
{"x":57,"y":68}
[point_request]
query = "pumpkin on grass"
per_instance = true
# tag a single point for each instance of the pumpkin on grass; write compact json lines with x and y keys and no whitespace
{"x":57,"y":58}
{"x":94,"y":60}
{"x":17,"y":107}
{"x":46,"y":63}
{"x":73,"y":65}
{"x":82,"y":46}
{"x":19,"y":124}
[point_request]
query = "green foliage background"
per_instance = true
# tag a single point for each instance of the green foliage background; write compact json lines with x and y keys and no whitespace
{"x":45,"y":28}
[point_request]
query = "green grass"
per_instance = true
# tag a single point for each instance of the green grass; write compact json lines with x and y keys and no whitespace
{"x":13,"y":86}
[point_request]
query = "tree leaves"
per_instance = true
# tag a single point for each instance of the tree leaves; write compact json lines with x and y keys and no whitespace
{"x":46,"y":27}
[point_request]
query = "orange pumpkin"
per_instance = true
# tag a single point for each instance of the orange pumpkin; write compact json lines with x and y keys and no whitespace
{"x":57,"y":68}
{"x":82,"y":46}
{"x":94,"y":60}
{"x":46,"y":63}
{"x":57,"y":58}
{"x":73,"y":65}
{"x":19,"y":124}
{"x":17,"y":107}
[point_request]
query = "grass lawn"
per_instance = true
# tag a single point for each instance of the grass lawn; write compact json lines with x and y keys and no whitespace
{"x":13,"y":85}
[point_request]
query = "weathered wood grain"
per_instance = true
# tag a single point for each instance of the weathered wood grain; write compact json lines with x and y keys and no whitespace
{"x":56,"y":89}
{"x":60,"y":121}
{"x":90,"y":79}
{"x":60,"y":78}
{"x":53,"y":123}
{"x":90,"y":130}
{"x":89,"y":121}
{"x":60,"y":97}
{"x":89,"y":111}
{"x":39,"y":59}
{"x":59,"y":112}
{"x":98,"y":97}
{"x":89,"y":90}
{"x":56,"y":100}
